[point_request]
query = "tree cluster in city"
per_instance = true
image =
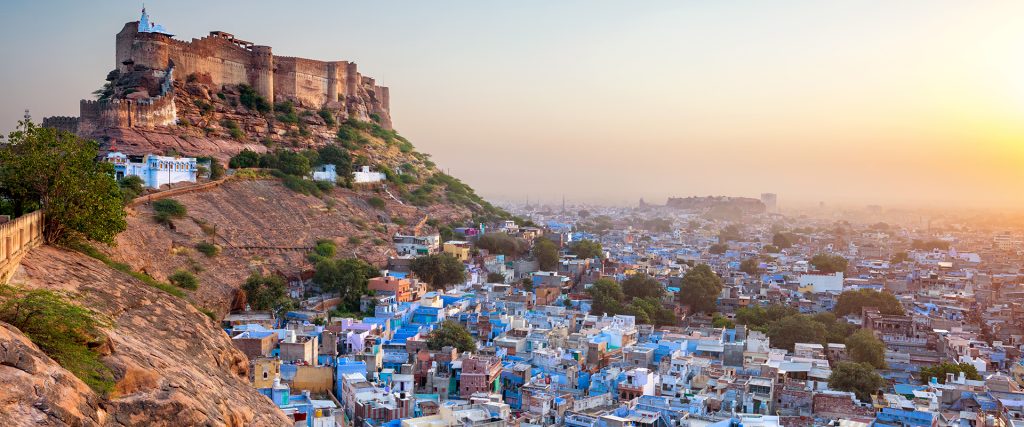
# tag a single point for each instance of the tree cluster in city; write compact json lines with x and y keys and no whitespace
{"x":439,"y":270}
{"x":638,"y":295}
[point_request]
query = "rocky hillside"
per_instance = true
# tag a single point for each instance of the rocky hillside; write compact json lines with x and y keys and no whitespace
{"x":258,"y":223}
{"x":172,"y":364}
{"x":262,"y":226}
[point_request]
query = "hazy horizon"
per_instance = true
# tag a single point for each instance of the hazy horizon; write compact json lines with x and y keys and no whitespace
{"x":898,"y":104}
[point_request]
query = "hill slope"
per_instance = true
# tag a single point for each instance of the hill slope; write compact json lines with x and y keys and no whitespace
{"x":173,"y":365}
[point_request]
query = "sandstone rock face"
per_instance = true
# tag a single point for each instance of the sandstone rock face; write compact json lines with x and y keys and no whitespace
{"x":173,"y":365}
{"x":36,"y":391}
{"x":263,"y":226}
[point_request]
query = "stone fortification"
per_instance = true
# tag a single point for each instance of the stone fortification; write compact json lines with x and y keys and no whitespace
{"x":141,"y":95}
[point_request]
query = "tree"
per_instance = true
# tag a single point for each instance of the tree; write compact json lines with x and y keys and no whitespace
{"x":730,"y":232}
{"x":57,"y":172}
{"x":922,"y":245}
{"x":502,"y":243}
{"x":166,"y":209}
{"x":864,"y":347}
{"x":606,"y":297}
{"x":750,"y":266}
{"x":493,"y":277}
{"x":829,"y":263}
{"x":782,"y":240}
{"x":719,"y":321}
{"x":527,"y":284}
{"x":546,"y":253}
{"x":216,"y":169}
{"x":245,"y":159}
{"x":587,"y":249}
{"x":339,"y":157}
{"x":700,"y":289}
{"x":786,"y":332}
{"x":439,"y":270}
{"x":939,"y":372}
{"x":451,"y":334}
{"x":346,"y":277}
{"x":900,"y":257}
{"x":835,"y":330}
{"x":266,"y":292}
{"x":859,"y":378}
{"x":131,"y":187}
{"x":68,"y":333}
{"x":852,"y":302}
{"x":184,"y":279}
{"x":642,"y":286}
{"x":718,"y":248}
{"x":771,"y":249}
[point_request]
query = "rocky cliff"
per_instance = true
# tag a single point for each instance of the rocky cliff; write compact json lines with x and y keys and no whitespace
{"x":172,"y":364}
{"x":262,"y":226}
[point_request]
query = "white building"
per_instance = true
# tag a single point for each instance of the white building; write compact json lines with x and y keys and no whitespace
{"x":818,"y":283}
{"x":154,"y":170}
{"x":365,"y":176}
{"x":325,"y":173}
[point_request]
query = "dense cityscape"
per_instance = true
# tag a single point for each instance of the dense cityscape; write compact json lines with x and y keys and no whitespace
{"x":220,"y":235}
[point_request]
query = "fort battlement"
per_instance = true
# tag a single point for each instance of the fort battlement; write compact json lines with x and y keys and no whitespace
{"x":222,"y":59}
{"x":227,"y":60}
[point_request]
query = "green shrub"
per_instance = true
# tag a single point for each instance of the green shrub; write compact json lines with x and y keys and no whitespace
{"x":184,"y":279}
{"x":233,"y":129}
{"x":208,"y":249}
{"x":70,"y":334}
{"x":300,"y":185}
{"x":204,"y":107}
{"x":376,"y":202}
{"x":354,"y":240}
{"x":252,"y":100}
{"x":286,"y":112}
{"x":375,"y":117}
{"x":245,"y":159}
{"x":131,"y":187}
{"x":324,"y":186}
{"x":328,"y":117}
{"x":167,"y":209}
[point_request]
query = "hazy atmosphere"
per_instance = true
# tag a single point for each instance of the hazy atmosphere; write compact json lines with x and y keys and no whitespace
{"x":916,"y":102}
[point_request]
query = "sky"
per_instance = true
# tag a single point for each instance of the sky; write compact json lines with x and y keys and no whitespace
{"x":894,"y":103}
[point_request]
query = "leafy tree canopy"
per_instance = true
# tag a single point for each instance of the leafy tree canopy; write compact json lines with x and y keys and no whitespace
{"x":939,"y":372}
{"x":451,"y":334}
{"x":859,"y":378}
{"x":546,"y":253}
{"x":439,"y":270}
{"x":54,"y":170}
{"x":864,"y":347}
{"x":700,"y":289}
{"x":829,"y":263}
{"x":266,"y":292}
{"x":751,"y":266}
{"x":346,"y":277}
{"x":502,"y":243}
{"x":587,"y":249}
{"x":851,"y":302}
{"x":642,"y":286}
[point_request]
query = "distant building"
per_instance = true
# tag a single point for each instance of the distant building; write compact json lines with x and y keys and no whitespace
{"x":818,"y":283}
{"x":365,"y":176}
{"x":154,"y":170}
{"x":771,"y":202}
{"x":325,"y":173}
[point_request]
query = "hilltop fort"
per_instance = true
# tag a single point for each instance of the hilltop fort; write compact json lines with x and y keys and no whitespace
{"x":158,"y":79}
